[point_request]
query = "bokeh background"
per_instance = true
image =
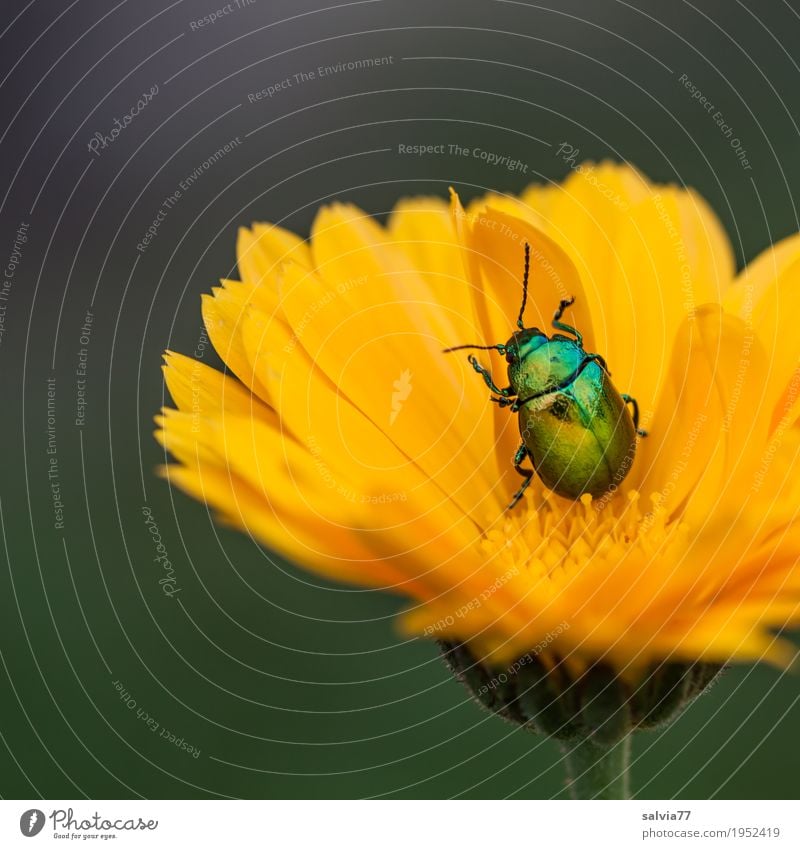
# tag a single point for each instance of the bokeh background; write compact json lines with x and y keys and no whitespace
{"x":289,"y":686}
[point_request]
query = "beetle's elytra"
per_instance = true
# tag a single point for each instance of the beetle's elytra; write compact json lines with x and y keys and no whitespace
{"x":576,"y":428}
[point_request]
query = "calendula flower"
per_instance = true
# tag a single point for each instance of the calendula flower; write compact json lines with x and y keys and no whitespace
{"x":342,"y":437}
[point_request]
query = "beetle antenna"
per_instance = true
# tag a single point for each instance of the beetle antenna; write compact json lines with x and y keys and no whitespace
{"x":520,"y":323}
{"x":500,"y":348}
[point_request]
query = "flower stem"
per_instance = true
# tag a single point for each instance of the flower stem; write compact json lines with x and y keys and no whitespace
{"x":597,"y":771}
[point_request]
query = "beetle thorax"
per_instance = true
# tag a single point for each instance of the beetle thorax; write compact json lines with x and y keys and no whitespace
{"x":542,"y":368}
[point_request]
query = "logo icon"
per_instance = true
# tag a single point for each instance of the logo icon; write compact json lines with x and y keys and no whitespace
{"x":402,"y":389}
{"x":31,"y":822}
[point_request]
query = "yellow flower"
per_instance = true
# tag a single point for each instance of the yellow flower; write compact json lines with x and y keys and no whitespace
{"x":350,"y":443}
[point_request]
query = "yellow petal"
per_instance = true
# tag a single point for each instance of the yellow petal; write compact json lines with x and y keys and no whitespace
{"x":222,"y":315}
{"x":710,"y":412}
{"x":668,"y":265}
{"x":399,"y":378}
{"x":279,"y":491}
{"x":423,"y":228}
{"x":205,"y":392}
{"x":260,"y":252}
{"x":767,"y":297}
{"x":498,"y":241}
{"x":495,"y":241}
{"x":647,"y":255}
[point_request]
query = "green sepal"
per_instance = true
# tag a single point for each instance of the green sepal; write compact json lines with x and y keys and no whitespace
{"x":597,"y":704}
{"x":549,"y":706}
{"x":605,"y":706}
{"x":483,"y":686}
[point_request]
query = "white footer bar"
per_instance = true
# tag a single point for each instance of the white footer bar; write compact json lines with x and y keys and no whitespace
{"x":399,"y":824}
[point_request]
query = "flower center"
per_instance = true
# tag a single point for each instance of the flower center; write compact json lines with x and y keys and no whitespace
{"x":555,"y":537}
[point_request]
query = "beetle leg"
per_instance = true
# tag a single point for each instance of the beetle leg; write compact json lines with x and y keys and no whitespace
{"x":635,"y":404}
{"x":503,"y":402}
{"x":522,"y":453}
{"x":600,"y":361}
{"x":487,"y":377}
{"x":557,"y":323}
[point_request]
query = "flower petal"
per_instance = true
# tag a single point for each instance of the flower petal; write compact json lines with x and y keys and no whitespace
{"x":203,"y":391}
{"x":709,"y":415}
{"x":260,"y":481}
{"x":495,"y":243}
{"x":766,"y":296}
{"x":647,"y":255}
{"x":399,"y":378}
{"x":221,"y":316}
{"x":498,"y":240}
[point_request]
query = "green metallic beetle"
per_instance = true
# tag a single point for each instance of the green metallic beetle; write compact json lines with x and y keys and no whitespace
{"x":575,"y":427}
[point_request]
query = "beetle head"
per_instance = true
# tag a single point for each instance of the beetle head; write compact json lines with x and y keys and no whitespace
{"x":521,"y":343}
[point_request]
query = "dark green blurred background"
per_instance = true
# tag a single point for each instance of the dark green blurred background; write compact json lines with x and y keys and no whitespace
{"x":291,"y":687}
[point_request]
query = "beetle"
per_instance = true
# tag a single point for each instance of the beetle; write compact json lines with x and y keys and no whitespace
{"x":578,"y":431}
